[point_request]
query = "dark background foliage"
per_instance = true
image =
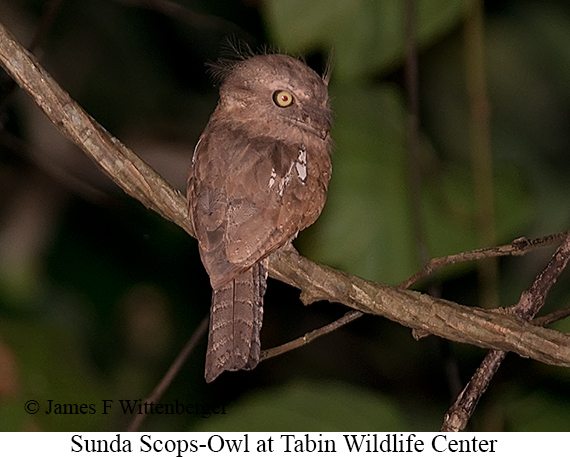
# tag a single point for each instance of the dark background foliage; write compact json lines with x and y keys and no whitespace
{"x":98,"y":294}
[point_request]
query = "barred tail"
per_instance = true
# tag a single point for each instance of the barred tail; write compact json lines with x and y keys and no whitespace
{"x":236,"y":316}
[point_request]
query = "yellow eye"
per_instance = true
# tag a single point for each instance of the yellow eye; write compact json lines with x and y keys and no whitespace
{"x":283,"y":98}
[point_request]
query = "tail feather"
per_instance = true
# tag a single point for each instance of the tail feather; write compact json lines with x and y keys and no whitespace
{"x":236,"y":317}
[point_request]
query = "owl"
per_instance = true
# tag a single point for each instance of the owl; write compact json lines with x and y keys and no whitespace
{"x":259,"y":175}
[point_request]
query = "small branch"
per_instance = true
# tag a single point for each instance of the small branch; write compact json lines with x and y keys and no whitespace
{"x":529,"y":304}
{"x":171,"y":373}
{"x":459,"y":414}
{"x":534,"y":297}
{"x":552,"y":317}
{"x":311,"y":336}
{"x":520,"y":246}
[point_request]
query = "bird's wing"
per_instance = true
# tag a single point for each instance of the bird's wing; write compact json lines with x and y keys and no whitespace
{"x":249,"y":196}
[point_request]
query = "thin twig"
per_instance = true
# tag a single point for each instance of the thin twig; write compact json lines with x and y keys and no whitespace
{"x":552,"y":317}
{"x":171,"y":373}
{"x":518,"y":247}
{"x":459,"y":414}
{"x":310,"y":336}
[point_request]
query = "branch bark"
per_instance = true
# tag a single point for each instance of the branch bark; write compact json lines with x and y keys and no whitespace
{"x":487,"y":329}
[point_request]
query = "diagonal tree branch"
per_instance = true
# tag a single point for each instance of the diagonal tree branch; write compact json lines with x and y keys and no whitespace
{"x":487,"y":329}
{"x":518,"y":247}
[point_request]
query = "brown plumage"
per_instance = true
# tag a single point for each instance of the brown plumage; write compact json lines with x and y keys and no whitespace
{"x":259,"y":175}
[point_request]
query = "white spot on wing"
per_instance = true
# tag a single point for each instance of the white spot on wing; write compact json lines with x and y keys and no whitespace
{"x":272,"y":178}
{"x":285,"y":180}
{"x":301,"y":164}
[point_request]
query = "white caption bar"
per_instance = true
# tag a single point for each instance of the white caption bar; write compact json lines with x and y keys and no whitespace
{"x":227,"y":444}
